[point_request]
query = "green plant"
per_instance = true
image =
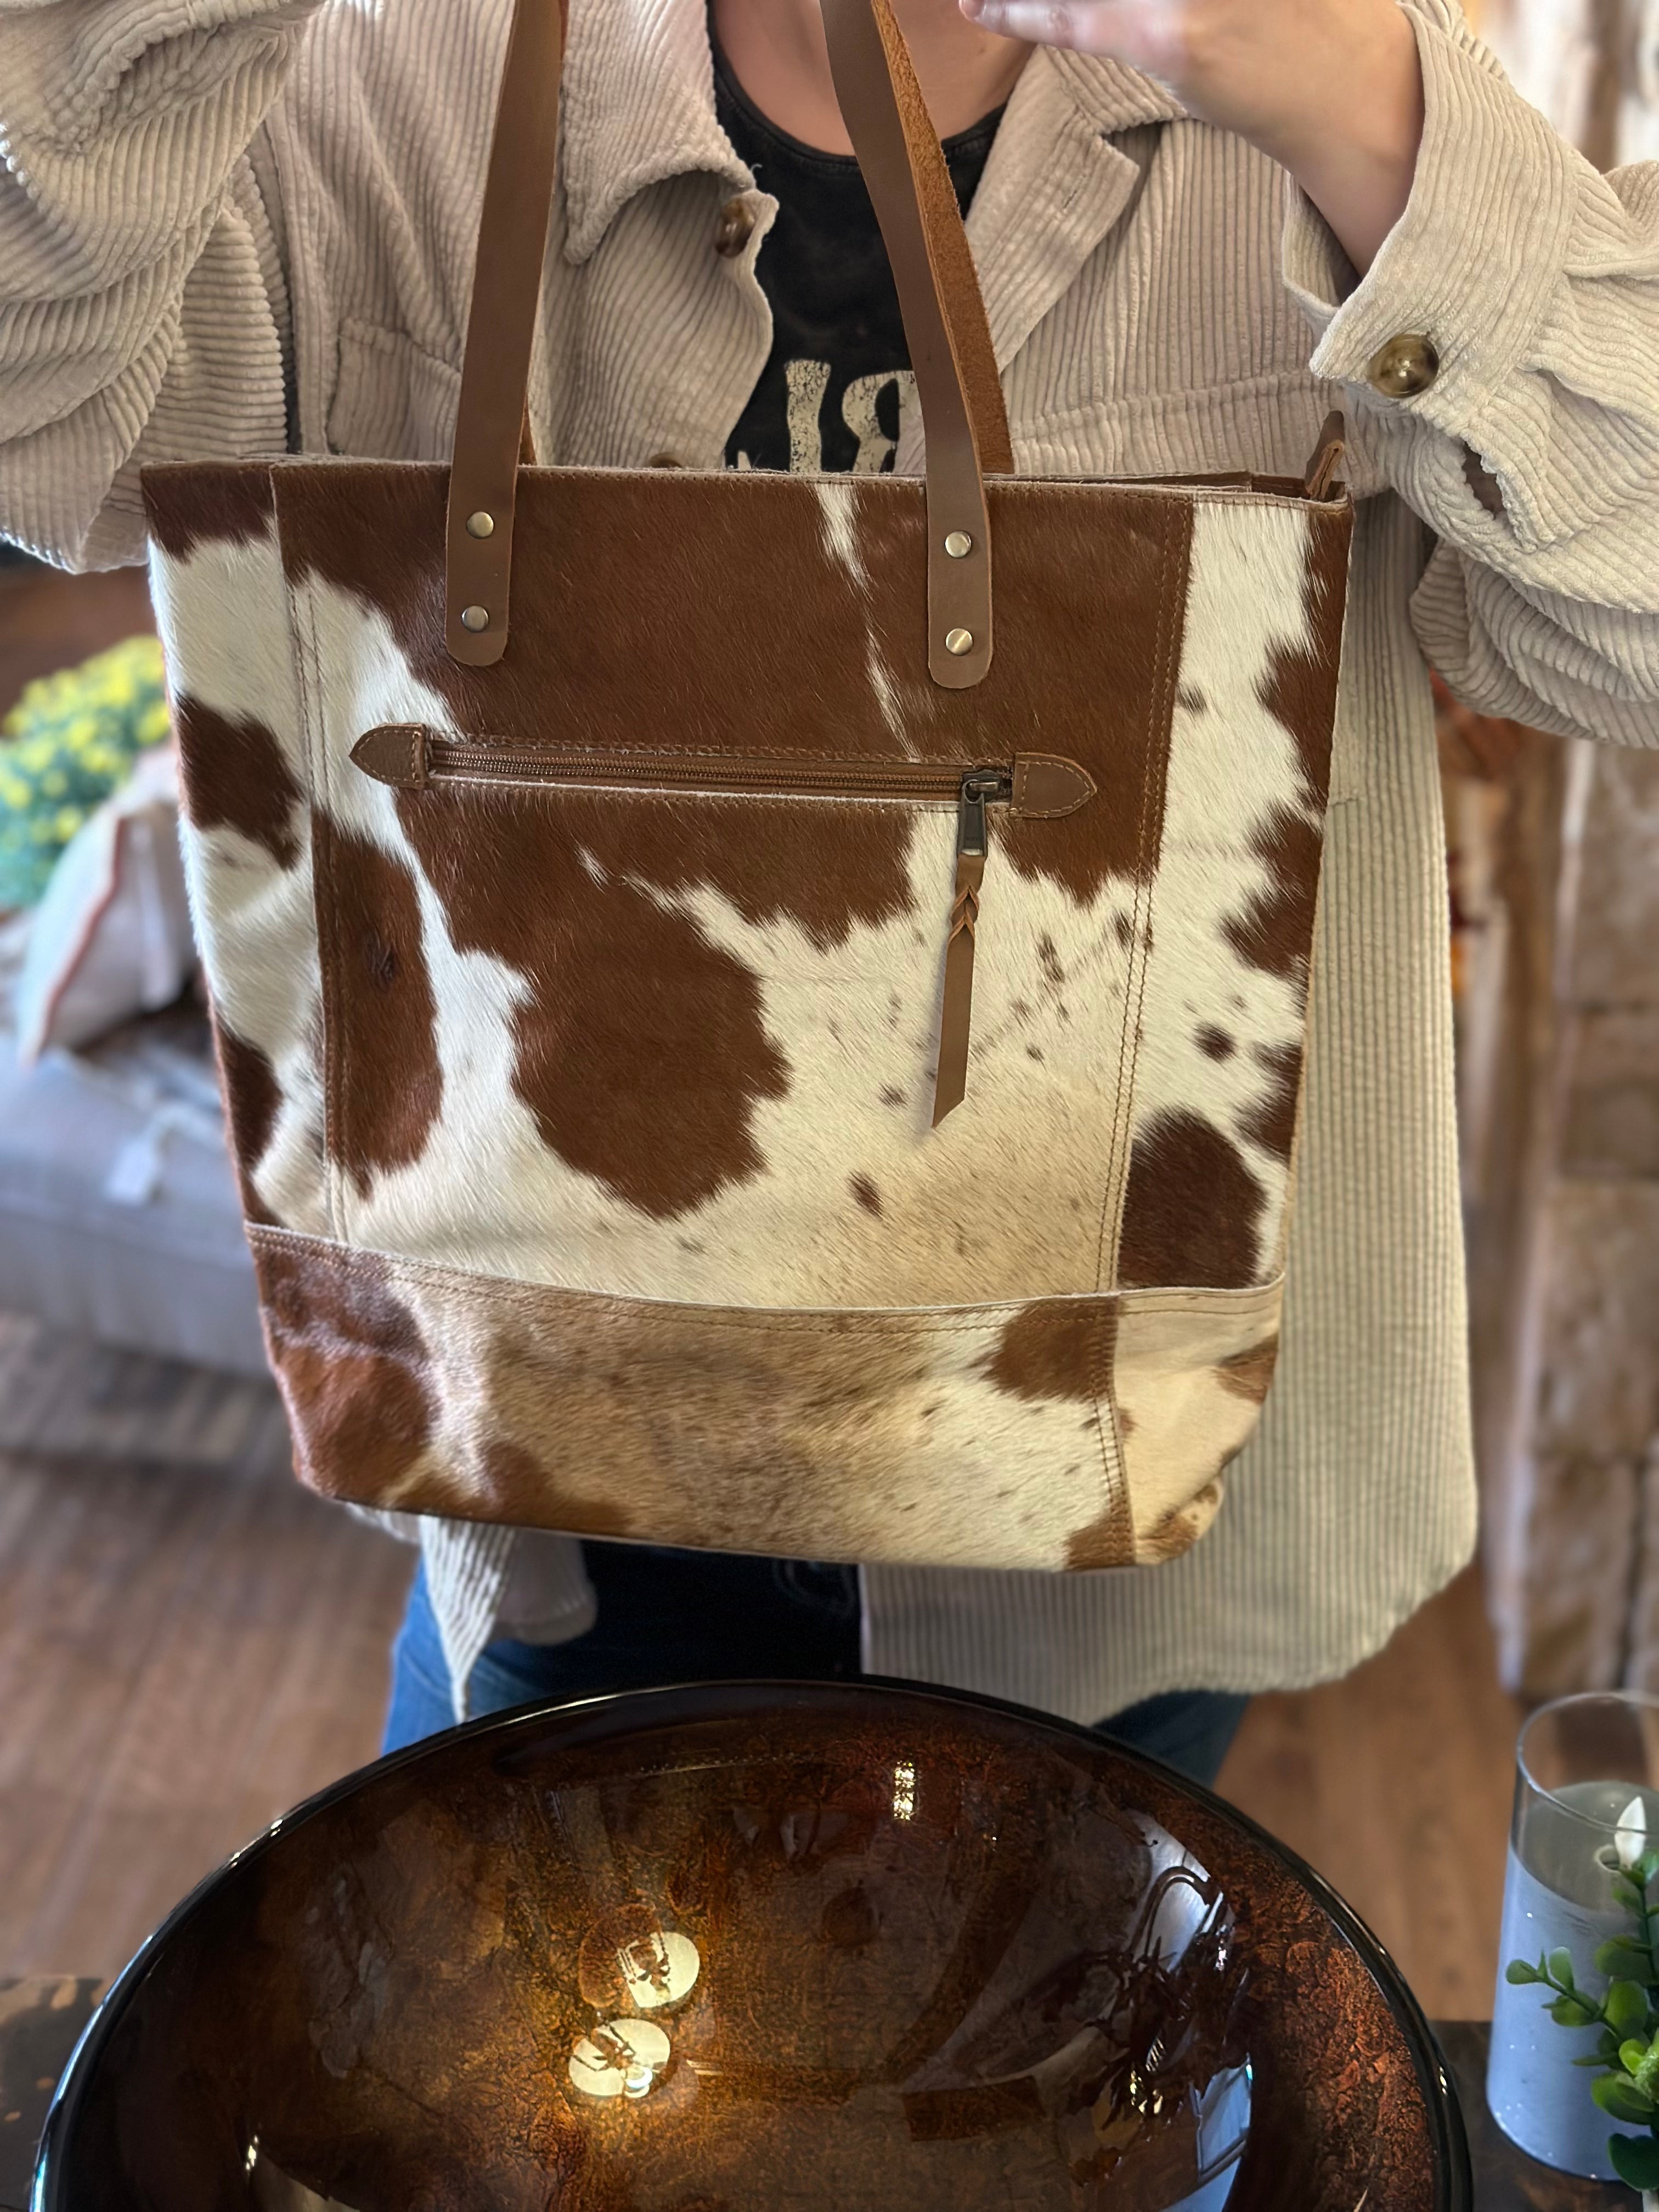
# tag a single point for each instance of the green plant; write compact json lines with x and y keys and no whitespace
{"x":69,"y":742}
{"x":1626,"y":2061}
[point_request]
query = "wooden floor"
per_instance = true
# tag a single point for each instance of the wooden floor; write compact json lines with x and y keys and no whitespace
{"x":1395,"y":1784}
{"x":189,"y":1644}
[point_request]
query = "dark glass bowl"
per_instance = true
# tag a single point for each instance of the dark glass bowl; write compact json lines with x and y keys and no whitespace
{"x":759,"y":1949}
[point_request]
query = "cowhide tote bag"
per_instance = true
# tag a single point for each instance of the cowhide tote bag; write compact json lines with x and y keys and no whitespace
{"x":758,"y":1011}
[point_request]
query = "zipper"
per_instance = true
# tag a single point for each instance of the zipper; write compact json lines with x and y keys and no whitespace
{"x":1038,"y":787}
{"x":410,"y":757}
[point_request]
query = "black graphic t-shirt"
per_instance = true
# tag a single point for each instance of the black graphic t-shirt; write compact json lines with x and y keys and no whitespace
{"x":830,"y":395}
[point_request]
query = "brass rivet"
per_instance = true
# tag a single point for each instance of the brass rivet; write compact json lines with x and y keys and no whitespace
{"x":474,"y":618}
{"x":958,"y":640}
{"x":959,"y":545}
{"x":480,"y":524}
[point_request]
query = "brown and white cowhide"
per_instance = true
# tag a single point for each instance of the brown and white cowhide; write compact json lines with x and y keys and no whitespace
{"x":585,"y":1132}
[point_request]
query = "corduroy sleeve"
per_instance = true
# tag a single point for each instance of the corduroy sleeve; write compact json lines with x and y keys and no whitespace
{"x":143,"y":310}
{"x":1534,"y":454}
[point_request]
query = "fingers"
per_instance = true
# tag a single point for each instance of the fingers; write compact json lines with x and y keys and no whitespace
{"x":1040,"y":22}
{"x":1148,"y":34}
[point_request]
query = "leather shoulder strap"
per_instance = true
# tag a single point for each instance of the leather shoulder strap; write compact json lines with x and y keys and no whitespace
{"x":915,"y":204}
{"x":507,"y":284}
{"x":945,"y":323}
{"x":950,"y":341}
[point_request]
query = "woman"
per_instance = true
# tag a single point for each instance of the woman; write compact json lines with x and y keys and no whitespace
{"x":232,"y":227}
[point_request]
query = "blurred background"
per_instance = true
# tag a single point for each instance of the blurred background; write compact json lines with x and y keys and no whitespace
{"x":189,"y":1643}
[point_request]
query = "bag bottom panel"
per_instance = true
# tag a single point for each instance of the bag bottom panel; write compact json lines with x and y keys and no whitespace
{"x":1061,"y":1433}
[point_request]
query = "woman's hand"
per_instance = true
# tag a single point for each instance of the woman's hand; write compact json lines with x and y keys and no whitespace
{"x":1331,"y":89}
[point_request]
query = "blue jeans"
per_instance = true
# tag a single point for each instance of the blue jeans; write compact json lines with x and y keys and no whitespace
{"x":672,"y":1616}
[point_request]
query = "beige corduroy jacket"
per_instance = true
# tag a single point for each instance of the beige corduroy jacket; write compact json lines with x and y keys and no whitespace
{"x":231,"y":227}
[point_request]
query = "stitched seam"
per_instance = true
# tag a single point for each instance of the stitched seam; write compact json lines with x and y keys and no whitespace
{"x":1120,"y":1104}
{"x":1025,"y":488}
{"x":337,"y":1029}
{"x":1156,"y":795}
{"x":1135,"y":981}
{"x":359,"y":1259}
{"x":322,"y":884}
{"x":1200,"y":1302}
{"x":854,"y":1321}
{"x":1293,"y":1166}
{"x":776,"y":483}
{"x":1133,"y":994}
{"x":1289,"y":1167}
{"x":634,"y":792}
{"x":1024,"y":765}
{"x":1116,"y":1192}
{"x":1198,"y":1299}
{"x":727,"y":752}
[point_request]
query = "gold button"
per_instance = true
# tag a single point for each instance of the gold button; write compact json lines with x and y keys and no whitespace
{"x":474,"y":618}
{"x":1409,"y":364}
{"x":480,"y":524}
{"x":958,"y":640}
{"x":958,"y":544}
{"x":732,"y":229}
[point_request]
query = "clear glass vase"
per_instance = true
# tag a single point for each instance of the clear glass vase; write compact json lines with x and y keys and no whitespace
{"x":1586,"y":1800}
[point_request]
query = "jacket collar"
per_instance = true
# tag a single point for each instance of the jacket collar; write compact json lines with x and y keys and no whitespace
{"x":1110,"y":95}
{"x":1057,"y":182}
{"x":638,"y":106}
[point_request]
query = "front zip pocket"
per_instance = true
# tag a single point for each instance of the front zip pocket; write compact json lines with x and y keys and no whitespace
{"x":1033,"y":786}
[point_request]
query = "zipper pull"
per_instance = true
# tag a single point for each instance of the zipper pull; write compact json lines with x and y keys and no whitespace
{"x":972,"y":843}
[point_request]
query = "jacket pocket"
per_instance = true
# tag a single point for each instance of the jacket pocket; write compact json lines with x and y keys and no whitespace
{"x":392,"y":400}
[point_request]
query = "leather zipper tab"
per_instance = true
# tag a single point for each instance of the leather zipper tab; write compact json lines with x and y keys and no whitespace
{"x":979,"y":786}
{"x":395,"y":753}
{"x":1047,"y":786}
